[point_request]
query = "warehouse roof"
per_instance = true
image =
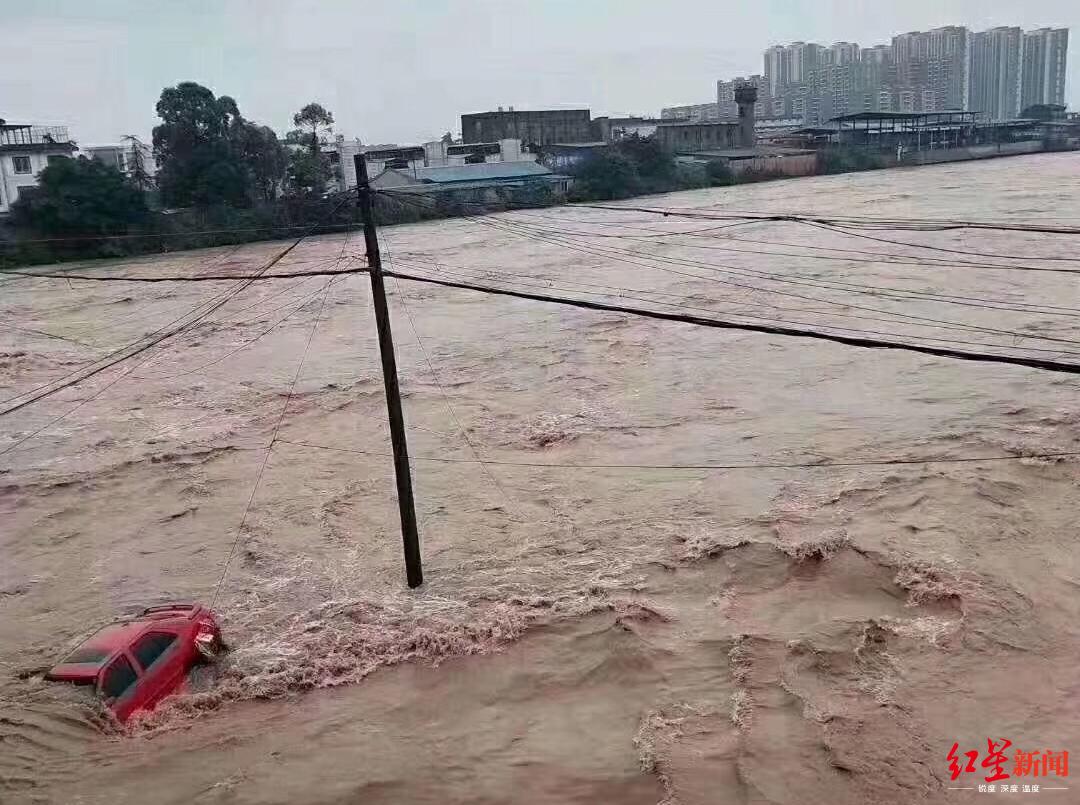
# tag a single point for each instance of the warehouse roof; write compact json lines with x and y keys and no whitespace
{"x":898,"y":115}
{"x":481,"y":171}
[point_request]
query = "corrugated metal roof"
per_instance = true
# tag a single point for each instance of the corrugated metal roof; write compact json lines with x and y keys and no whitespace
{"x":481,"y":171}
{"x":751,"y":153}
{"x":899,"y":115}
{"x":436,"y":187}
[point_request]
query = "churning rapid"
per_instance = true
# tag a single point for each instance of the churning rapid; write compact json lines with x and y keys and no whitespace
{"x":620,"y":634}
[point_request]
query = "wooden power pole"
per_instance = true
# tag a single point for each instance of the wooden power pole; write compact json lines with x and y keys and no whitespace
{"x":413,"y":570}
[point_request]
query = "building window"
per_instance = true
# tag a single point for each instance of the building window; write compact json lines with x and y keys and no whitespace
{"x":21,"y":164}
{"x":52,"y":159}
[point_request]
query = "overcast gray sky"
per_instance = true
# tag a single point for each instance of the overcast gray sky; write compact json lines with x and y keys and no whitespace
{"x":405,"y":70}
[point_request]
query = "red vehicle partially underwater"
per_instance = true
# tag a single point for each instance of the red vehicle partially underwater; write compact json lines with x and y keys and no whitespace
{"x":135,"y":663}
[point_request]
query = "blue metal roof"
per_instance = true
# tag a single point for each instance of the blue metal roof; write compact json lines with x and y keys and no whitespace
{"x":481,"y":171}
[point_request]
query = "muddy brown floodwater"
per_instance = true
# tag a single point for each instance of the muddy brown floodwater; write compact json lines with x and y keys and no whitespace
{"x":766,"y":635}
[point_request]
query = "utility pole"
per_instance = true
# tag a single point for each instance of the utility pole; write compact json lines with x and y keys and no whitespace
{"x":413,"y":571}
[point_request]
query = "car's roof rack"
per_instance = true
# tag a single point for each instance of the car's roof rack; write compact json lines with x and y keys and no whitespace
{"x":167,"y":608}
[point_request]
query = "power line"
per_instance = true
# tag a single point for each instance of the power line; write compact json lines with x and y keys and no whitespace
{"x":270,"y":445}
{"x":625,"y":293}
{"x":945,"y":249}
{"x":201,"y":278}
{"x":809,"y":465}
{"x":609,"y":252}
{"x":889,"y":223}
{"x":1033,"y":363}
{"x":446,"y":397}
{"x":749,"y":217}
{"x":838,"y":224}
{"x":303,"y":303}
{"x":132,"y":350}
{"x":892,"y":257}
{"x":827,"y":284}
{"x":118,"y":351}
{"x":189,"y":312}
{"x":44,"y":334}
{"x":937,"y":323}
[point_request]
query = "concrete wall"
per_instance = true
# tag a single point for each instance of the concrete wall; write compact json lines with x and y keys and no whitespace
{"x":690,"y":137}
{"x":972,"y":152}
{"x":792,"y":165}
{"x":542,"y":127}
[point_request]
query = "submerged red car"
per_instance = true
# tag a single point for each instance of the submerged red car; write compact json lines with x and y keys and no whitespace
{"x":134,"y":664}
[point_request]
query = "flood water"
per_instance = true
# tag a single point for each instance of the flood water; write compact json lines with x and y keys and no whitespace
{"x":585,"y":634}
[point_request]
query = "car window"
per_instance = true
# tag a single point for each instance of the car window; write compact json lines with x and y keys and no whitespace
{"x":118,"y":678}
{"x":151,"y":646}
{"x":90,"y":655}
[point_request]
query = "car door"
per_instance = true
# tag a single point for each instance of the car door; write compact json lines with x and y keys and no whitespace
{"x":159,"y":653}
{"x":118,"y":686}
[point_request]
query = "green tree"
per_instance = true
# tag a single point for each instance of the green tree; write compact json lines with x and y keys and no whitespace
{"x":313,"y":118}
{"x":655,"y":166}
{"x":296,"y":137}
{"x":80,"y":197}
{"x":309,"y":169}
{"x":265,"y":158}
{"x":197,"y":146}
{"x":308,"y":173}
{"x":607,"y":174}
{"x":719,"y":174}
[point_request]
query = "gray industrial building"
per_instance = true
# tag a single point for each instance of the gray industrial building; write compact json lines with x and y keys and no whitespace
{"x":539,"y":127}
{"x":685,"y":137}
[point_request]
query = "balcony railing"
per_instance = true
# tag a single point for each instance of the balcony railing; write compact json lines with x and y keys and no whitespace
{"x":34,"y":135}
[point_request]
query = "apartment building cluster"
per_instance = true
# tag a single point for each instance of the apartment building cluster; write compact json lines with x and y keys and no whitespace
{"x":997,"y":73}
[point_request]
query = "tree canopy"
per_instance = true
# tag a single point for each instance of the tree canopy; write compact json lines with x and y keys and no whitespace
{"x":309,"y":169}
{"x":607,"y":174}
{"x":209,"y":154}
{"x":80,"y":197}
{"x":313,"y":118}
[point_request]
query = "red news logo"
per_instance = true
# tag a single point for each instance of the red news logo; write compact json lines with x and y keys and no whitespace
{"x":1037,"y":764}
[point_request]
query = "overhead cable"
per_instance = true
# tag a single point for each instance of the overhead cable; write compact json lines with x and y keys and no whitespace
{"x":870,"y":343}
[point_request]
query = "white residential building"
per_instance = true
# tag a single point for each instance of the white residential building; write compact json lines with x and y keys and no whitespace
{"x":25,"y":151}
{"x":414,"y":158}
{"x":1044,"y":59}
{"x":126,"y":157}
{"x":693,"y":113}
{"x":996,"y":63}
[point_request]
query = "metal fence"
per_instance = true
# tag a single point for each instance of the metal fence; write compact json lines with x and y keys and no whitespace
{"x":34,"y":135}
